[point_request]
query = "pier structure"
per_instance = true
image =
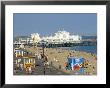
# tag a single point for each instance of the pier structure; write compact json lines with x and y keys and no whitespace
{"x":59,"y":39}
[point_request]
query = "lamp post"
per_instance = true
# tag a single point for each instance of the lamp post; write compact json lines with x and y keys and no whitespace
{"x":43,"y":46}
{"x":43,"y":49}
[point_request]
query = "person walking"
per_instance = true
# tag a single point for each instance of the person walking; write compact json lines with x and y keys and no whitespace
{"x":30,"y":70}
{"x":59,"y":66}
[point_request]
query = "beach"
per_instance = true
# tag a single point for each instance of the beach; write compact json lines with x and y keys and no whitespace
{"x":58,"y":57}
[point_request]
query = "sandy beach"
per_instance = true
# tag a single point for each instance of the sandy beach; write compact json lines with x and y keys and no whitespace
{"x":59,"y":56}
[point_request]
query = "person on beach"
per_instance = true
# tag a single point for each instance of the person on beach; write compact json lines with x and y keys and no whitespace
{"x":29,"y":68}
{"x":68,"y":66}
{"x":70,"y":54}
{"x":59,"y":66}
{"x":51,"y":63}
{"x":65,"y":65}
{"x":42,"y":56}
{"x":93,"y":69}
{"x":21,"y":66}
{"x":45,"y":58}
{"x":39,"y":56}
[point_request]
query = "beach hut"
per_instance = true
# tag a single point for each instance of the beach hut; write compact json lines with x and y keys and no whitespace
{"x":19,"y":53}
{"x":24,"y":63}
{"x":29,"y":62}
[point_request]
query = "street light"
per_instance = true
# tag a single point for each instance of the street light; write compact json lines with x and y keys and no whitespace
{"x":43,"y":46}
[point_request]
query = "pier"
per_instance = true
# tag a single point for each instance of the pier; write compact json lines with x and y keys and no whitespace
{"x":84,"y":42}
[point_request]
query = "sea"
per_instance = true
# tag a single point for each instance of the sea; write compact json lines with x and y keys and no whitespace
{"x":89,"y":49}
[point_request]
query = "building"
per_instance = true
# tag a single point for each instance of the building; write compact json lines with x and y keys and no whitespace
{"x":59,"y":37}
{"x":62,"y":37}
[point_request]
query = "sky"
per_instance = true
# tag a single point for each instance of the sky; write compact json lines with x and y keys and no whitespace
{"x":48,"y":23}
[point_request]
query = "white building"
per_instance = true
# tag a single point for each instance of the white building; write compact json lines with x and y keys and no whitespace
{"x":23,"y":41}
{"x":62,"y":37}
{"x":35,"y":37}
{"x":58,"y":38}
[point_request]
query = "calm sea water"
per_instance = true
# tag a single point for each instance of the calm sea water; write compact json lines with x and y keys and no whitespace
{"x":89,"y":49}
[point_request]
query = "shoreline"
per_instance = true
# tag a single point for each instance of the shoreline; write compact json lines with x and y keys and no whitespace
{"x":59,"y":56}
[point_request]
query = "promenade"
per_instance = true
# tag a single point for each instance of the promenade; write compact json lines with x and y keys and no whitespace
{"x":58,"y":57}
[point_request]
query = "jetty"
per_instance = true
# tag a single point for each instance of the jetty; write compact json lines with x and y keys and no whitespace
{"x":59,"y":39}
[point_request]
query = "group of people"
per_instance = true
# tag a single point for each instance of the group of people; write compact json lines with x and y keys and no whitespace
{"x":68,"y":66}
{"x":19,"y":66}
{"x":29,"y":69}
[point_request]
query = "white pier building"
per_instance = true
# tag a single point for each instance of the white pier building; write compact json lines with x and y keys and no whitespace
{"x":62,"y":37}
{"x":59,"y":37}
